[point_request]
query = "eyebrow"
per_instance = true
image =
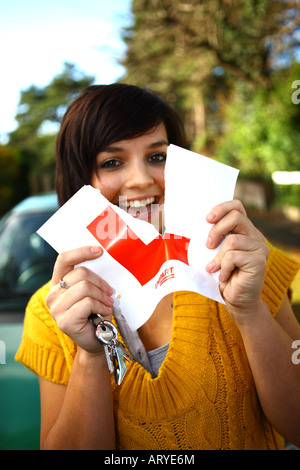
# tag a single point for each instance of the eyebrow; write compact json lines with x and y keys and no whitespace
{"x":112,"y":149}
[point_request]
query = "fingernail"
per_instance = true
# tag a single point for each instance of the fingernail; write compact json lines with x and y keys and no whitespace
{"x":211,"y":216}
{"x":95,"y":250}
{"x":211,"y":266}
{"x":110,"y":291}
{"x":209,"y":243}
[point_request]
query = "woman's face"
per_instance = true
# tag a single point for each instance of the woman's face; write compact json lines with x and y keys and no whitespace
{"x":130,"y":174}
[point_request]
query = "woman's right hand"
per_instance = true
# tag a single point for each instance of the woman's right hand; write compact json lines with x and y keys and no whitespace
{"x":87,"y":293}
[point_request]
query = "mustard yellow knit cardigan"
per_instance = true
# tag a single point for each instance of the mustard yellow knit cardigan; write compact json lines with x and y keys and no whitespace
{"x":204,"y":396}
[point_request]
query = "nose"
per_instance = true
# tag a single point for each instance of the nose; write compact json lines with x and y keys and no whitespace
{"x":139,"y":176}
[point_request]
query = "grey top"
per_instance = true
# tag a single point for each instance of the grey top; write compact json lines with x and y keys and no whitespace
{"x":152,"y":360}
{"x":157,"y":357}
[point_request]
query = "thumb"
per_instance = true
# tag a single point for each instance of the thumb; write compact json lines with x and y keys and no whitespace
{"x":66,"y":261}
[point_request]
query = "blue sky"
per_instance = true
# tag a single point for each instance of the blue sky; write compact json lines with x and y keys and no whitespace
{"x":37,"y":36}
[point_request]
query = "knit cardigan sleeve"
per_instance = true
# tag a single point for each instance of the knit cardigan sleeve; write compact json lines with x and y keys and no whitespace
{"x":49,"y":353}
{"x":280,"y":272}
{"x":44,"y":349}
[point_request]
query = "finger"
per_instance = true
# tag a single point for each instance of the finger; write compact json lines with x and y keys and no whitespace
{"x":241,"y":261}
{"x":232,"y":260}
{"x":221,"y":209}
{"x":79,"y":312}
{"x":82,"y":283}
{"x":84,"y":289}
{"x":232,"y":222}
{"x":236,"y":242}
{"x":63,"y":301}
{"x":75,"y":320}
{"x":67,"y":260}
{"x":82,"y":273}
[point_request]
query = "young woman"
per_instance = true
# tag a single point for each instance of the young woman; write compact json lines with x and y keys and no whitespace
{"x":207,"y":376}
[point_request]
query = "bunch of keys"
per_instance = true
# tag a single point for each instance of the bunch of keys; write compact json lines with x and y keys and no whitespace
{"x":115,"y":351}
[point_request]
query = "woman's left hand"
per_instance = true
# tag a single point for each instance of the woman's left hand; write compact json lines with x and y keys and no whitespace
{"x":241,"y":259}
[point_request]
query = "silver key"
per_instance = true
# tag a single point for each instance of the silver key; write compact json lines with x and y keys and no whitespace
{"x":115,"y":351}
{"x":119,"y":353}
{"x":105,"y":335}
{"x":122,"y":353}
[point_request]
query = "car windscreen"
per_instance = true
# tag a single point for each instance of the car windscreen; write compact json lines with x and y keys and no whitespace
{"x":26,"y":260}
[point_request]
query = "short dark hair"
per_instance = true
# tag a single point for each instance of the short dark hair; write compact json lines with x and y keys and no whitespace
{"x":100,"y":116}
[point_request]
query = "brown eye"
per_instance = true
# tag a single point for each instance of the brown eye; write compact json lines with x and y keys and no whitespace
{"x":110,"y":164}
{"x":158,"y":157}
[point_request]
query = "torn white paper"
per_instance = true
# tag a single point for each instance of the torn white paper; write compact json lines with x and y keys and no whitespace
{"x":140,"y":264}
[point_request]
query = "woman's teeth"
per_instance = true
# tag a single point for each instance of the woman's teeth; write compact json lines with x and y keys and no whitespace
{"x":141,"y":202}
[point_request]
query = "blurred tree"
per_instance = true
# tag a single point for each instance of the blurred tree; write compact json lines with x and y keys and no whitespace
{"x":39,"y":113}
{"x":12,"y":186}
{"x":263,"y":128}
{"x":192,"y":52}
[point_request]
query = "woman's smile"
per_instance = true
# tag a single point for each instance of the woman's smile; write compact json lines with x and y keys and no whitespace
{"x":130,"y":174}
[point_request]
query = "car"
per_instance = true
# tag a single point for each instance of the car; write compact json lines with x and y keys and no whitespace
{"x":26,"y":263}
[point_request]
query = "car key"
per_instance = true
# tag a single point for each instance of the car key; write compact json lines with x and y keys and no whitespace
{"x":118,"y":352}
{"x":104,"y":336}
{"x":115,"y":351}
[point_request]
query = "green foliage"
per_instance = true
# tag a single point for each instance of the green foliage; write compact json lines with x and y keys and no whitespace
{"x":12,"y":185}
{"x":40,"y":105}
{"x":262,"y":132}
{"x":227,"y":67}
{"x":195,"y":53}
{"x":288,"y":194}
{"x":197,"y":36}
{"x":39,"y":113}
